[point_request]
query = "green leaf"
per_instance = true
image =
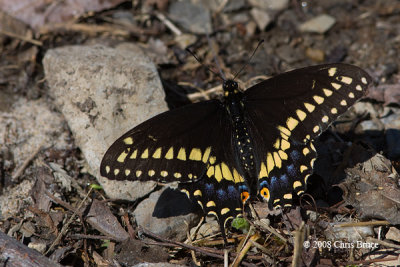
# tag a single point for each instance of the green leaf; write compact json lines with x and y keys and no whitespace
{"x":241,"y":224}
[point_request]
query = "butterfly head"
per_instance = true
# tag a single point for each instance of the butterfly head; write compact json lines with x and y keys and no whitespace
{"x":230,"y":87}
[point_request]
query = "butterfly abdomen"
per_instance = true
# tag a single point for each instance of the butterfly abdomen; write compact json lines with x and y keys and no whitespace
{"x":242,"y":140}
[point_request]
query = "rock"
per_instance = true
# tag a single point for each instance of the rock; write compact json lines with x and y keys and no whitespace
{"x":374,"y":127}
{"x":234,"y":5}
{"x":103,"y":92}
{"x":316,"y":55}
{"x":13,"y":200}
{"x":319,"y":24}
{"x":38,"y":245}
{"x":185,"y":40}
{"x":27,"y":125}
{"x":288,"y":54}
{"x":192,"y":17}
{"x":393,"y":234}
{"x":211,"y":227}
{"x":164,"y":213}
{"x":270,"y":4}
{"x":261,"y":17}
{"x":350,"y":234}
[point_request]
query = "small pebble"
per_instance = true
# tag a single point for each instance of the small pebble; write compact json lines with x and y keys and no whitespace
{"x":319,"y":24}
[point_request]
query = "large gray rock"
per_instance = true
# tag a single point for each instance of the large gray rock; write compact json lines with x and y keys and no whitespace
{"x":103,"y":92}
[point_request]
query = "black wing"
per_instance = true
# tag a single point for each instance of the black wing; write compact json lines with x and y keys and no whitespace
{"x":287,"y":112}
{"x":191,"y":145}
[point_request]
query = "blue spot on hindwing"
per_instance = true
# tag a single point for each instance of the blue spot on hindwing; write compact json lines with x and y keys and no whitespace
{"x":243,"y":188}
{"x":283,"y":179}
{"x":274,"y":183}
{"x":221,"y":194}
{"x":232,"y":192}
{"x":291,"y":170}
{"x":263,"y":184}
{"x":295,"y":155}
{"x":209,"y":189}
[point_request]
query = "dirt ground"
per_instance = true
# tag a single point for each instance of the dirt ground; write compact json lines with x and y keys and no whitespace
{"x":48,"y":194}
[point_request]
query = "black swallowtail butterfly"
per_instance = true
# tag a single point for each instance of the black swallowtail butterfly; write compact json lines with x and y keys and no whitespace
{"x":248,"y":144}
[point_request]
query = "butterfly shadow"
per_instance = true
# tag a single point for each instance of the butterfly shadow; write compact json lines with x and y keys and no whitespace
{"x":173,"y":202}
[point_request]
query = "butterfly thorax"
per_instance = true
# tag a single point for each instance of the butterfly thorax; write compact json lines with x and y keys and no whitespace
{"x":241,"y":136}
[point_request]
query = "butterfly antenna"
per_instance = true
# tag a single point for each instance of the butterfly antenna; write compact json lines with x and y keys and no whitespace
{"x":245,"y":65}
{"x":198,"y":60}
{"x":215,"y":58}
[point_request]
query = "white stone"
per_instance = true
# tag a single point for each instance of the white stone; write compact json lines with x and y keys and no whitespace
{"x":319,"y":24}
{"x":104,"y":92}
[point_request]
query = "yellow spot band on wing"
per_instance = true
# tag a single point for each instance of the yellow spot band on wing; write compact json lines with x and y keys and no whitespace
{"x":206,"y":154}
{"x":145,"y":154}
{"x":282,"y":155}
{"x":296,"y":184}
{"x":181,"y":154}
{"x":318,"y":99}
{"x":277,"y":143}
{"x":270,"y":163}
{"x":237,"y":177}
{"x":128,"y":141}
{"x":309,"y":107}
{"x":170,"y":153}
{"x":327,"y":92}
{"x":301,"y":114}
{"x":210,"y":204}
{"x":210,"y":171}
{"x":225,"y":211}
{"x":157,"y":153}
{"x":134,"y":154}
{"x":121,"y":158}
{"x":285,"y":145}
{"x":212,"y":159}
{"x":197,"y":193}
{"x":336,"y":86}
{"x":331,"y":71}
{"x":263,"y":171}
{"x":226,"y":172}
{"x":195,"y":154}
{"x":291,"y":123}
{"x":285,"y":133}
{"x":277,"y":159}
{"x":218,"y":173}
{"x":303,"y":168}
{"x":287,"y":196}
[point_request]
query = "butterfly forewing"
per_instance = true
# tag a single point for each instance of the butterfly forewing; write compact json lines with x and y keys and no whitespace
{"x":166,"y":147}
{"x":290,"y":110}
